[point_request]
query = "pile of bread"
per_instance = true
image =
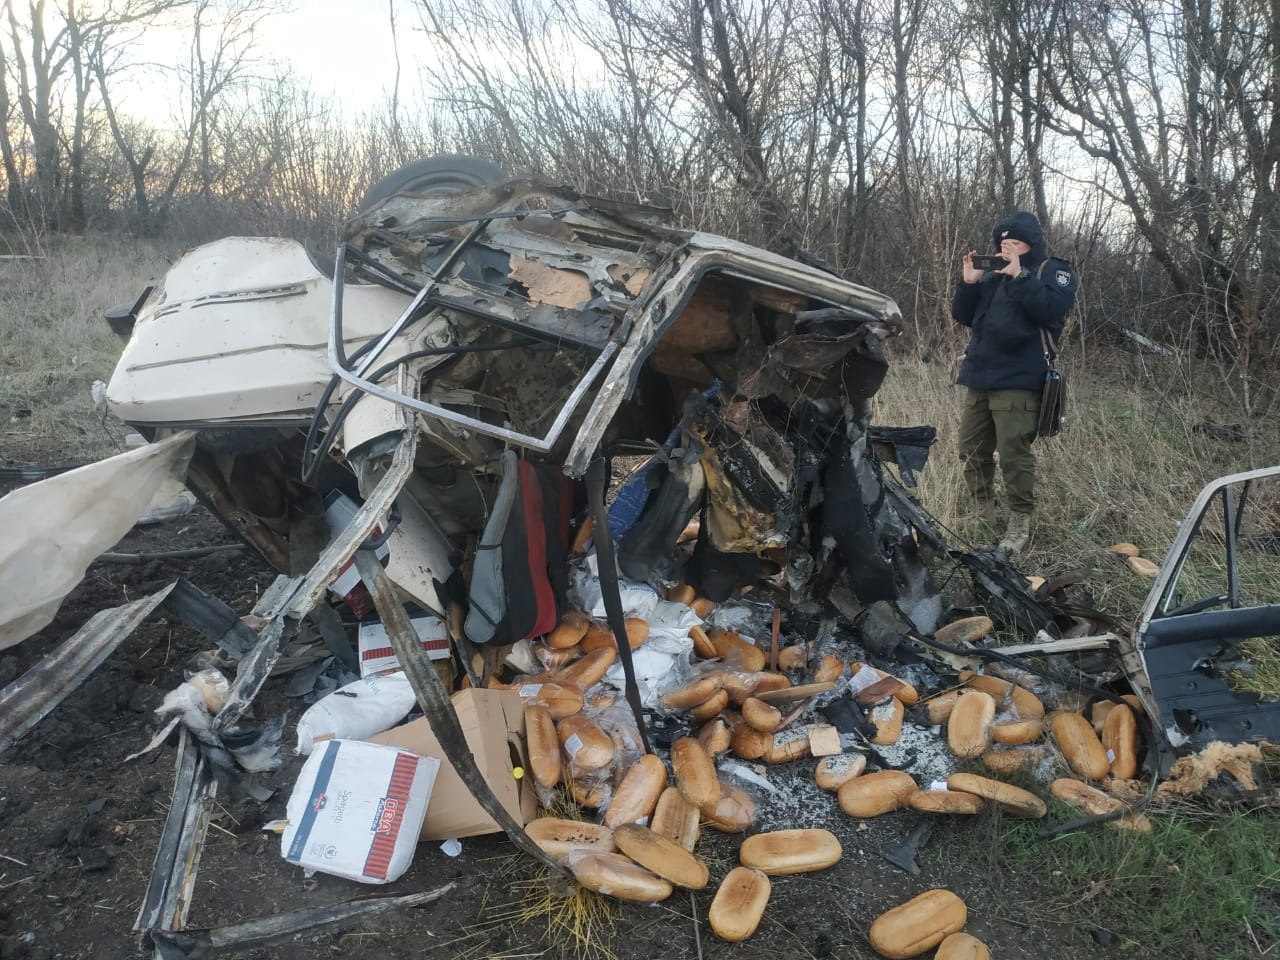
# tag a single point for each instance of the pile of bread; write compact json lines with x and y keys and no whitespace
{"x":645,"y":844}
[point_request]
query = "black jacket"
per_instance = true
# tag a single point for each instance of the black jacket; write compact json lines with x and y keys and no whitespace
{"x":1006,"y":315}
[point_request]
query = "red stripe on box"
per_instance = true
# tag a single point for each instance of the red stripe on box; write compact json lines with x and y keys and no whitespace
{"x":377,"y":653}
{"x":388,"y":828}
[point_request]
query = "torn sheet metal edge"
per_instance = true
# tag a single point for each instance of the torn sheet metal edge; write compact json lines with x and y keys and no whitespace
{"x":306,"y":593}
{"x":177,"y":856}
{"x":438,"y":708}
{"x":542,"y":444}
{"x":264,"y":932}
{"x":662,"y":302}
{"x":30,"y":698}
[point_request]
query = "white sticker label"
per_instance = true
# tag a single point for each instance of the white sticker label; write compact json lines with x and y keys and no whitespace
{"x":529,"y":691}
{"x":573,"y":745}
{"x":1111,"y":756}
{"x":938,"y":785}
{"x":451,"y":847}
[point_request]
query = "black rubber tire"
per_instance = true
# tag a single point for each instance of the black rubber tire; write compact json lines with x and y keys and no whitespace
{"x":448,"y":173}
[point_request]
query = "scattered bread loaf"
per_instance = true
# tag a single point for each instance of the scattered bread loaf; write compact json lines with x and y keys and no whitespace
{"x":695,"y":772}
{"x":783,"y":852}
{"x":712,"y":707}
{"x":1142,"y":566}
{"x":790,"y":744}
{"x":1120,"y":741}
{"x":761,"y":715}
{"x":733,"y":812}
{"x":828,"y":669}
{"x":715,"y":736}
{"x":736,"y":651}
{"x":1011,"y":759}
{"x":969,"y":726}
{"x":676,"y":818}
{"x":945,"y":801}
{"x":637,"y":632}
{"x":590,"y":667}
{"x":793,"y":658}
{"x":964,"y":631}
{"x":739,"y":904}
{"x":887,"y":719}
{"x":560,"y":699}
{"x":1008,"y":797}
{"x":962,"y":946}
{"x":1080,"y":745}
{"x":875,"y":793}
{"x":616,"y":876}
{"x":834,"y":772}
{"x":661,"y":856}
{"x":919,"y":925}
{"x":586,"y":745}
{"x":570,"y":630}
{"x":638,"y":792}
{"x":702,"y":644}
{"x":694,"y":692}
{"x":1094,"y":802}
{"x":1124,"y":549}
{"x":940,"y":707}
{"x":558,"y":837}
{"x":544,"y":745}
{"x":1018,"y":732}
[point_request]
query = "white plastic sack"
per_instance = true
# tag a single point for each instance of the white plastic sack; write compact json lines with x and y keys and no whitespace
{"x":55,"y":528}
{"x":357,"y":809}
{"x":638,"y":599}
{"x":356,"y":712}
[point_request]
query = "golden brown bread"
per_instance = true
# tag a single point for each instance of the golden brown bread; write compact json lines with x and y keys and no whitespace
{"x":560,"y":699}
{"x":746,"y":741}
{"x":875,"y":793}
{"x":964,"y":631}
{"x":793,"y":657}
{"x":945,"y":801}
{"x":586,"y":745}
{"x":638,"y":792}
{"x":939,"y":708}
{"x":790,"y":744}
{"x":661,"y":856}
{"x":962,"y":946}
{"x":735,"y":651}
{"x":570,"y":630}
{"x":590,"y":667}
{"x":1011,"y":759}
{"x":1120,"y":741}
{"x":1008,"y":797}
{"x":733,"y":812}
{"x":1017,"y":732}
{"x":760,"y":715}
{"x":918,"y":925}
{"x":557,"y":837}
{"x":702,"y":644}
{"x":1080,"y":745}
{"x":715,"y":736}
{"x":739,"y":904}
{"x":834,"y":772}
{"x":828,"y":669}
{"x":637,"y":632}
{"x":1094,"y":802}
{"x":969,"y":726}
{"x":616,"y":876}
{"x":712,"y":707}
{"x":696,"y":691}
{"x":676,"y":818}
{"x":784,"y":852}
{"x":887,"y":719}
{"x":544,"y":745}
{"x":695,"y":772}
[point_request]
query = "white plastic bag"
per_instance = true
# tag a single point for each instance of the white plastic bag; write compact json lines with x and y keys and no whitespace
{"x":356,"y":712}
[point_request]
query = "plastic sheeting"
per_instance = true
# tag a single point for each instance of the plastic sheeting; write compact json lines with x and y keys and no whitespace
{"x":55,"y":528}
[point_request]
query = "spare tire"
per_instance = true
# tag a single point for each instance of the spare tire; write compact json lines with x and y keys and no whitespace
{"x":448,"y":173}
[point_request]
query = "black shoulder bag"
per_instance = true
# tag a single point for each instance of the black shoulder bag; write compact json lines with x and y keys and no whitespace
{"x":1053,"y":399}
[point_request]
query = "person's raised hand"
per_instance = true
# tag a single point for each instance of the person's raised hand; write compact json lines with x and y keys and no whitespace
{"x":1013,"y":267}
{"x":970,"y":273}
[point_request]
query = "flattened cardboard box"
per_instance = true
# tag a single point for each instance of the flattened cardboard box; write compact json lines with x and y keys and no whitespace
{"x":493,"y":724}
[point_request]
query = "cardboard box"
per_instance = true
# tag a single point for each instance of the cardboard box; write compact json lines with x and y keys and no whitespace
{"x":493,"y":724}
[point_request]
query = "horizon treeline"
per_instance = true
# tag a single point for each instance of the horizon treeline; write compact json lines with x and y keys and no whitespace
{"x":884,"y":137}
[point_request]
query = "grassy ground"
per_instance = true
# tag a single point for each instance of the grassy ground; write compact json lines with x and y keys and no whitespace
{"x":54,"y":343}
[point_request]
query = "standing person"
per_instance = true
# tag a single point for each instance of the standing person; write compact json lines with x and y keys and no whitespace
{"x":1004,"y":366}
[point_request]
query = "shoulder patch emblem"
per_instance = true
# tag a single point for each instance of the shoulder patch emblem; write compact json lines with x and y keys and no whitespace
{"x":1064,"y":278}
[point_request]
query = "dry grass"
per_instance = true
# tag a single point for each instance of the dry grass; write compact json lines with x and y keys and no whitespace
{"x":54,"y":343}
{"x":1126,"y":467}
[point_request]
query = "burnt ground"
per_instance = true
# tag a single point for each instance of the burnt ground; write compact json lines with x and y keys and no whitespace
{"x":79,"y":826}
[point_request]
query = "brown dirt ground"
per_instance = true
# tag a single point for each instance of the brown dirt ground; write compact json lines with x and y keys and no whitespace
{"x":78,"y":831}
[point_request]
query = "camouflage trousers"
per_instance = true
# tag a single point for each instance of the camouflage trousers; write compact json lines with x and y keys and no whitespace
{"x":1000,"y":422}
